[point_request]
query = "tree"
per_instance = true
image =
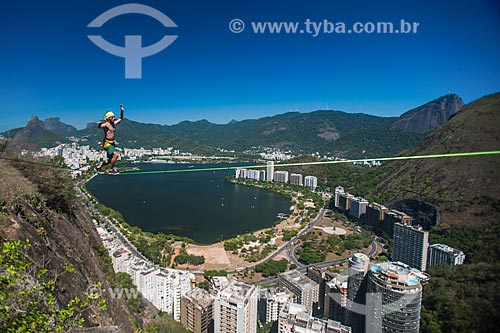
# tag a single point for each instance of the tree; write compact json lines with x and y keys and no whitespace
{"x":272,"y":267}
{"x":28,"y":297}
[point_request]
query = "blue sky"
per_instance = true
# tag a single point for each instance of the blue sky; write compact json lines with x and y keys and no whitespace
{"x":50,"y":68}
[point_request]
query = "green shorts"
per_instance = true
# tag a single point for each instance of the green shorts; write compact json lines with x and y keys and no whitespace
{"x":110,"y":151}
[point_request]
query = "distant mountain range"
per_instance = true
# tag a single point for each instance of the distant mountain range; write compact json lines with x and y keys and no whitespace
{"x":332,"y":132}
{"x":37,"y":134}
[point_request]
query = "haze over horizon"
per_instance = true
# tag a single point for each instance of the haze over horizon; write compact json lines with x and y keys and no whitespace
{"x":51,"y":69}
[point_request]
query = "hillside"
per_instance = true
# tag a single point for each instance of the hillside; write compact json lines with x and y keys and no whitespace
{"x":52,"y":257}
{"x":334,"y":132}
{"x":132,"y":134}
{"x":353,"y":135}
{"x":467,"y":192}
{"x":467,"y":189}
{"x":43,"y":209}
{"x":55,"y":125}
{"x":326,"y":131}
{"x":35,"y":135}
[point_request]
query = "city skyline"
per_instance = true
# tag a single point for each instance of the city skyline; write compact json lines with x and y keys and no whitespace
{"x":53,"y":69}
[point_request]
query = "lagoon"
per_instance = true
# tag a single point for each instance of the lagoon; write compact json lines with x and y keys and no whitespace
{"x":199,"y":205}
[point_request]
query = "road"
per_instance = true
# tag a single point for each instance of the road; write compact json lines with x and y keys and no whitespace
{"x":303,"y":269}
{"x":376,"y":248}
{"x":290,"y":243}
{"x":124,"y":240}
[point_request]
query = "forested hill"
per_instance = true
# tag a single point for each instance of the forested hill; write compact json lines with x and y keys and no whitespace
{"x":329,"y":132}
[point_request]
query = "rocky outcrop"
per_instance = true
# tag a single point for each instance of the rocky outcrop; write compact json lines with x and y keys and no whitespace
{"x":55,"y":125}
{"x":36,"y":135}
{"x":428,"y":117}
{"x":60,"y":233}
{"x":423,"y":213}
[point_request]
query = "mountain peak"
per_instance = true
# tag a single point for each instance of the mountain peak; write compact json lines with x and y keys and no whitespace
{"x":55,"y":125}
{"x":34,"y":121}
{"x":429,"y":116}
{"x":36,"y":134}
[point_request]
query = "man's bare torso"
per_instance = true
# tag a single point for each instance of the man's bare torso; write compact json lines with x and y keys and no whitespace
{"x":109,"y":131}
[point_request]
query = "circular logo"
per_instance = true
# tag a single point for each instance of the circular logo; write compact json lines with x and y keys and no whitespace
{"x":236,"y":26}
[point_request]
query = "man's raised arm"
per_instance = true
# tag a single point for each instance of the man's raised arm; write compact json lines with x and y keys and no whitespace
{"x":121,"y":114}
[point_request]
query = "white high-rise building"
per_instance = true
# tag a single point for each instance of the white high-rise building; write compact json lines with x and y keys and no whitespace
{"x":162,"y":296}
{"x":235,"y":309}
{"x":243,"y":173}
{"x":411,"y":245}
{"x":339,"y":190}
{"x":270,"y":171}
{"x":121,"y":259}
{"x":311,"y":181}
{"x":145,"y":281}
{"x":281,"y":177}
{"x":271,"y":301}
{"x":263,"y":175}
{"x":306,"y":291}
{"x":393,"y":298}
{"x":253,"y":174}
{"x":358,"y":207}
{"x":444,"y":254}
{"x":296,"y":179}
{"x":181,"y":284}
{"x":295,"y":319}
{"x":163,"y":288}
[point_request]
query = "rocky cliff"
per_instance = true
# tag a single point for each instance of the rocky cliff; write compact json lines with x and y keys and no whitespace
{"x":428,"y":117}
{"x":38,"y":205}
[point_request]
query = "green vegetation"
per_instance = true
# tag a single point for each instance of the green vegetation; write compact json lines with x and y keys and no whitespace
{"x":289,"y":234}
{"x":464,"y":298}
{"x":479,"y":244}
{"x":164,"y":323}
{"x":241,"y":246}
{"x":272,"y":267}
{"x":309,"y":253}
{"x":184,"y":258}
{"x":325,"y":131}
{"x":134,"y":299}
{"x":267,"y":327}
{"x":461,"y":299}
{"x":28,"y":297}
{"x":211,"y":273}
{"x":132,"y":134}
{"x":315,"y":247}
{"x":356,"y":179}
{"x":54,"y":184}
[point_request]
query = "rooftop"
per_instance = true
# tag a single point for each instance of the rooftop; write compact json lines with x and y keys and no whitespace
{"x":236,"y":292}
{"x":446,"y":248}
{"x":398,"y":275}
{"x":199,"y":297}
{"x":297,"y":278}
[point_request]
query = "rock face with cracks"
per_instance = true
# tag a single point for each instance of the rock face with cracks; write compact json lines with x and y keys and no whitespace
{"x":40,"y":206}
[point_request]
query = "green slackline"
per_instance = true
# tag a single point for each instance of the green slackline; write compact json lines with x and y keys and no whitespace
{"x":314,"y":163}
